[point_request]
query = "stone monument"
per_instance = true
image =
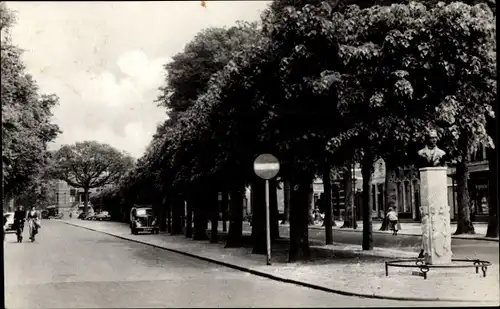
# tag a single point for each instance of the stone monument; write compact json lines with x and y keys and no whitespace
{"x":436,"y":229}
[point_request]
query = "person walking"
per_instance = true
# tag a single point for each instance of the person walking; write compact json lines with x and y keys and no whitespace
{"x":393,"y":220}
{"x":19,"y":216}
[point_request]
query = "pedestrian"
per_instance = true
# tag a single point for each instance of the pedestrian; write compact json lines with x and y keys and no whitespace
{"x":317,"y":216}
{"x":393,"y":220}
{"x":472,"y":210}
{"x":19,"y":216}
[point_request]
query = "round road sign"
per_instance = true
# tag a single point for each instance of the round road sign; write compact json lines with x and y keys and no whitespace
{"x":266,"y":166}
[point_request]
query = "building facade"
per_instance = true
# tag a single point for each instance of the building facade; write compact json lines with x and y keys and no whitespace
{"x":68,"y":197}
{"x":408,"y":185}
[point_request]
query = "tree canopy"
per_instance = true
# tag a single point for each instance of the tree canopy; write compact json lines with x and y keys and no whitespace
{"x":90,"y":164}
{"x":26,"y":116}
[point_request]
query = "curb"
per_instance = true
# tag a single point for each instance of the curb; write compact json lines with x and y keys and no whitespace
{"x":274,"y":277}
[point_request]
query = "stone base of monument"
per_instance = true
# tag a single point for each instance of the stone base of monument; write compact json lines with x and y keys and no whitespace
{"x":435,"y":213}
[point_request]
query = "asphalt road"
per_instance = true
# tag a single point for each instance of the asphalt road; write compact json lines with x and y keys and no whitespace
{"x":461,"y":248}
{"x":71,"y":267}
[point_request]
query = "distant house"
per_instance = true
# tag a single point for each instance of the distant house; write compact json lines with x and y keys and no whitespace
{"x":68,"y":197}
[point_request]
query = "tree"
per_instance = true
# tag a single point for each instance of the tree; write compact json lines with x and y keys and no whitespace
{"x":26,"y":117}
{"x":469,"y":74}
{"x":187,"y":76}
{"x":39,"y":193}
{"x":90,"y":164}
{"x":402,"y":73}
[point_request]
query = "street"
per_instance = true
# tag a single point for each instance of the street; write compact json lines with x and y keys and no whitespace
{"x":70,"y":267}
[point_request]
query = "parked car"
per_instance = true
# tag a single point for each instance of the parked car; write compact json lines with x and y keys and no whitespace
{"x":142,"y":219}
{"x":9,"y":221}
{"x":45,"y":214}
{"x":103,"y":215}
{"x":89,"y":216}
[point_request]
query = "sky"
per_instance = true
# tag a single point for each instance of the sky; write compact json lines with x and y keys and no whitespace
{"x":104,"y":60}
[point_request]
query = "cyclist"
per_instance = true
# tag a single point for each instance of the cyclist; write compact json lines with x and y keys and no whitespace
{"x":33,"y":222}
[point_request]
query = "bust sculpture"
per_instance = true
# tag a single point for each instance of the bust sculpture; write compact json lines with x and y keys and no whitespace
{"x":431,"y":155}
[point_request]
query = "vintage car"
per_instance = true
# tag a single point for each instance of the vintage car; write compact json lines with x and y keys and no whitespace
{"x":45,"y":214}
{"x":9,"y":221}
{"x":103,"y":215}
{"x":142,"y":219}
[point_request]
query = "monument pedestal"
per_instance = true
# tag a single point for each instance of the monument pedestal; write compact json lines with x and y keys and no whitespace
{"x":436,"y":228}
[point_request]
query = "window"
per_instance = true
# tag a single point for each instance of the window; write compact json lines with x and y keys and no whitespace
{"x":479,"y":154}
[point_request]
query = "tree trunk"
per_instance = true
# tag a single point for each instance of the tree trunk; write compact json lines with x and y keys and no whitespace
{"x":492,"y":230}
{"x":85,"y":200}
{"x":391,"y":193}
{"x":299,"y":210}
{"x":464,"y":223}
{"x":163,"y":216}
{"x":189,"y":219}
{"x":157,"y":209}
{"x":235,"y":235}
{"x":177,"y":210}
{"x":214,"y":217}
{"x":348,"y":200}
{"x":169,"y":216}
{"x":200,"y":219}
{"x":273,"y":209}
{"x":366,"y":172}
{"x":310,"y":203}
{"x":259,"y":217}
{"x":224,"y":209}
{"x":327,"y":200}
{"x":286,"y":201}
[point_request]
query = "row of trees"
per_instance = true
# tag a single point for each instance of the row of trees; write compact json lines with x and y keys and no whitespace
{"x":318,"y":85}
{"x":27,"y":126}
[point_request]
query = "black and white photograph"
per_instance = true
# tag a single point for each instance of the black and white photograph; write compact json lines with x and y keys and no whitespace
{"x":249,"y":154}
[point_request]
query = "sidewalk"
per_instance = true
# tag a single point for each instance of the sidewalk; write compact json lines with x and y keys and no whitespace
{"x":344,"y":269}
{"x":414,"y":228}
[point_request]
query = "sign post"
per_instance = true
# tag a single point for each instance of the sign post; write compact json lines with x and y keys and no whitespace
{"x":267,"y":166}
